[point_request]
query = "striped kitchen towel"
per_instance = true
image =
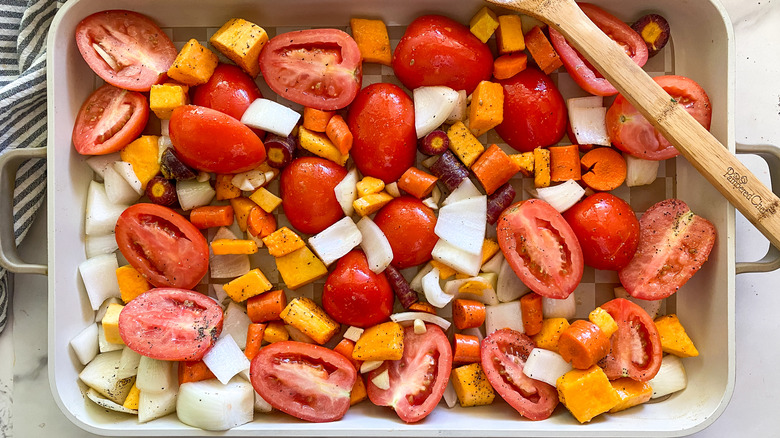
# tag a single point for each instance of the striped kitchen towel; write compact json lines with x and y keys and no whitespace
{"x":23,"y":28}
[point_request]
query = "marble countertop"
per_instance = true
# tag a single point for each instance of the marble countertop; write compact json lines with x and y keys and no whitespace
{"x":28,"y":410}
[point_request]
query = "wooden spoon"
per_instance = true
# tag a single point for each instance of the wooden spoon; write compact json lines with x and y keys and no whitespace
{"x":696,"y":144}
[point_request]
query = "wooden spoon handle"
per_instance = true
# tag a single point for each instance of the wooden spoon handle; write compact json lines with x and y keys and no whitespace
{"x":721,"y":168}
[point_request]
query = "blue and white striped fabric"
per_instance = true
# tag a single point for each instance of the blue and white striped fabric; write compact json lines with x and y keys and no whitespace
{"x":23,"y":28}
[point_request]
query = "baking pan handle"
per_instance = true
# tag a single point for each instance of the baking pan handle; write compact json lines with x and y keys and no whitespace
{"x":771,"y":154}
{"x":9,"y":256}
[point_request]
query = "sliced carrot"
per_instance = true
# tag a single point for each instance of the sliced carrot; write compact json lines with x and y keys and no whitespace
{"x":225,"y":188}
{"x":422,"y":307}
{"x":583,"y":344}
{"x":604,"y":169}
{"x":506,"y":66}
{"x":194,"y":371}
{"x":466,"y":349}
{"x":345,"y":348}
{"x":531,"y":310}
{"x":542,"y":50}
{"x":212,"y":216}
{"x":417,"y":183}
{"x":494,"y":168}
{"x":316,"y":120}
{"x":254,"y":340}
{"x":339,"y":134}
{"x":233,"y":246}
{"x":468,"y":313}
{"x":565,"y":163}
{"x":266,"y":306}
{"x":260,"y":223}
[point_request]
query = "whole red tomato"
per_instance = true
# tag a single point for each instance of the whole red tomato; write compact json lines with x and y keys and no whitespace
{"x":308,"y":198}
{"x":355,"y":295}
{"x":408,"y":225}
{"x":229,"y":90}
{"x":534,"y":111}
{"x":212,"y":141}
{"x":436,"y":50}
{"x":381,"y":119}
{"x":607,"y":229}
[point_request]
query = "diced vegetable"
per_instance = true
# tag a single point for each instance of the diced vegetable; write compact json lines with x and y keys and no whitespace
{"x":562,"y":196}
{"x":270,"y":116}
{"x":300,"y":267}
{"x":548,"y":336}
{"x":164,"y":98}
{"x":382,"y":380}
{"x":671,"y":377}
{"x":236,"y":324}
{"x":128,"y":364}
{"x":337,"y":240}
{"x":606,"y":169}
{"x":417,"y":183}
{"x":370,"y":204}
{"x":587,"y":393}
{"x":433,"y":291}
{"x":265,"y":199}
{"x":339,"y":134}
{"x":283,"y":241}
{"x":275,"y":331}
{"x":99,"y":163}
{"x":510,"y":64}
{"x":154,"y":405}
{"x":509,"y":287}
{"x":432,"y":105}
{"x":499,"y":201}
{"x":541,"y":167}
{"x":192,"y":193}
{"x":462,"y":224}
{"x":372,"y":39}
{"x":435,"y":142}
{"x":369,"y":185}
{"x":248,"y":285}
{"x":487,"y":107}
{"x":494,"y":168}
{"x":99,"y":276}
{"x":463,"y":144}
{"x":483,"y":24}
{"x":108,"y":404}
{"x":211,"y":405}
{"x":85,"y":344}
{"x":380,"y":342}
{"x":118,"y":190}
{"x":346,"y":191}
{"x":110,"y":323}
{"x":406,"y":317}
{"x":319,"y":144}
{"x":674,"y":339}
{"x":504,"y":315}
{"x":545,"y":365}
{"x":97,"y":245}
{"x":559,"y":308}
{"x":225,"y":359}
{"x":640,"y":172}
{"x":279,"y":150}
{"x":531,"y":309}
{"x":155,"y":375}
{"x":100,"y":374}
{"x":525,"y":161}
{"x":456,"y":258}
{"x":509,"y":35}
{"x":465,"y":349}
{"x":194,"y":64}
{"x":542,"y":50}
{"x":472,"y":386}
{"x":379,"y":253}
{"x":449,"y":170}
{"x":468,"y":313}
{"x":459,"y":113}
{"x":241,"y":41}
{"x":583,"y":344}
{"x":603,"y":320}
{"x":267,"y":306}
{"x":589,"y":125}
{"x":161,"y":191}
{"x":212,"y":216}
{"x":305,"y":315}
{"x":131,"y":283}
{"x":631,"y":393}
{"x":172,"y":167}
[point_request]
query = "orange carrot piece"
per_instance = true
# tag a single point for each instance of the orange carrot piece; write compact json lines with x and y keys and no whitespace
{"x":506,"y":66}
{"x":242,"y":207}
{"x":266,"y":306}
{"x":565,"y":163}
{"x":417,"y":183}
{"x":260,"y":223}
{"x":542,"y":50}
{"x":345,"y":348}
{"x":494,"y":168}
{"x":233,"y":246}
{"x":531,"y":310}
{"x":422,"y":307}
{"x":225,"y":188}
{"x":604,"y":169}
{"x":468,"y":313}
{"x":254,"y":340}
{"x":466,"y":349}
{"x":339,"y":134}
{"x":583,"y":344}
{"x":212,"y":216}
{"x":194,"y":371}
{"x":316,"y":120}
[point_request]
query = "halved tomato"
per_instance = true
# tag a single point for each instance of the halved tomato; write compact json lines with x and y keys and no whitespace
{"x":635,"y":348}
{"x":584,"y":74}
{"x":213,"y":141}
{"x":109,"y":120}
{"x":171,"y":324}
{"x":125,"y":49}
{"x":307,"y":381}
{"x":630,"y":131}
{"x":541,"y":248}
{"x":162,"y":245}
{"x":318,"y":68}
{"x":418,"y":379}
{"x":503,"y":355}
{"x":673,"y":245}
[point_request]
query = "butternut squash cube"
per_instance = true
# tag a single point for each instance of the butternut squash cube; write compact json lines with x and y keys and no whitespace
{"x":142,"y":153}
{"x":133,"y":398}
{"x":241,"y":208}
{"x":472,"y":386}
{"x":320,"y":145}
{"x":111,"y":323}
{"x":248,"y":285}
{"x":483,"y":24}
{"x":275,"y":331}
{"x":604,"y":320}
{"x":541,"y":167}
{"x":674,"y":339}
{"x":552,"y":328}
{"x":225,"y":188}
{"x":509,"y":36}
{"x":233,"y":246}
{"x":300,"y":267}
{"x":463,"y":144}
{"x":487,"y":107}
{"x":265,"y":199}
{"x":372,"y":40}
{"x":369,"y":185}
{"x":631,"y":393}
{"x":586,"y":393}
{"x":131,"y":283}
{"x":525,"y":161}
{"x":164,"y":98}
{"x":305,"y":315}
{"x":370,"y":204}
{"x":445,"y":271}
{"x":282,"y":242}
{"x":241,"y":41}
{"x":380,"y":342}
{"x":194,"y":64}
{"x":358,"y":393}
